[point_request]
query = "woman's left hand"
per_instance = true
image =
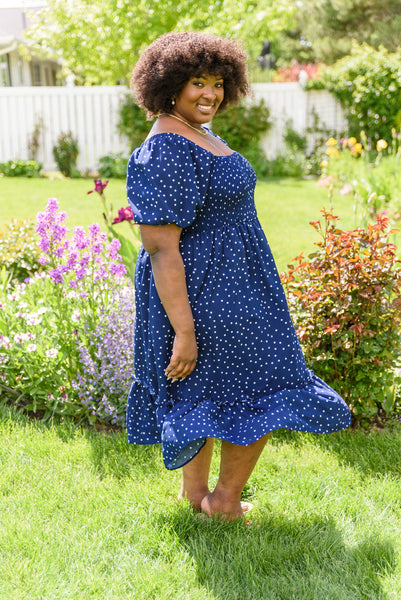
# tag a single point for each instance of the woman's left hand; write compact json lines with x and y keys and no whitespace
{"x":183,"y":359}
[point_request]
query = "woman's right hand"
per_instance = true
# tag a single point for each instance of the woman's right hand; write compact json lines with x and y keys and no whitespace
{"x":184,"y":356}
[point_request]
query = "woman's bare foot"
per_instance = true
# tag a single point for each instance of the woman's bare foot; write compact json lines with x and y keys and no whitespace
{"x":194,"y":497}
{"x":225,"y":509}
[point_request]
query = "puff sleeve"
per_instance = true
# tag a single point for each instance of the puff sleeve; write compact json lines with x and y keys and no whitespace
{"x":167,"y":180}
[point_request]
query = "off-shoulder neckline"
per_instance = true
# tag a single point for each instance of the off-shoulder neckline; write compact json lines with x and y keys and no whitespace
{"x":194,"y":143}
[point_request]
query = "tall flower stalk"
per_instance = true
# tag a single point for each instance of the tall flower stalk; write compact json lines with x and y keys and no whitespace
{"x":128,"y":248}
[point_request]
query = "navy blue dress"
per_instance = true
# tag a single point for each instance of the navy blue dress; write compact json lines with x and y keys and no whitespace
{"x":250,"y":376}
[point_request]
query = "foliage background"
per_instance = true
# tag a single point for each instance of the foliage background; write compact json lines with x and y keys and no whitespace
{"x":86,"y":34}
{"x":368,"y":85}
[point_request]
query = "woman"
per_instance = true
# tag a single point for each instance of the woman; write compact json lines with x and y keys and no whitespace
{"x":216,"y":354}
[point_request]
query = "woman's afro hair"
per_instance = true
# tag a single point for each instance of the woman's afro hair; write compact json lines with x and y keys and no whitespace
{"x":169,"y":62}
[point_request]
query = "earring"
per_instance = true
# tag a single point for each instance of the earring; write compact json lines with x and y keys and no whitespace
{"x":172,"y":102}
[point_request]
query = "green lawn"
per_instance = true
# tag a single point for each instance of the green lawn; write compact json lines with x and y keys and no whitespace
{"x":85,"y":516}
{"x":285,"y":207}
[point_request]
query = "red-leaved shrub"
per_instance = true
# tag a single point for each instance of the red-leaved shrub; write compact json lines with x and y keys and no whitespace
{"x":345,"y":300}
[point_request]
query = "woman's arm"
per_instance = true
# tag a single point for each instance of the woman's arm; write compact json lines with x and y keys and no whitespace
{"x":162,"y":243}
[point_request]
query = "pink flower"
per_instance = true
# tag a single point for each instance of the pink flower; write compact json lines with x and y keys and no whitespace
{"x":124,"y":214}
{"x":346,"y":189}
{"x":99,"y":186}
{"x":5,"y":341}
{"x":325,"y":181}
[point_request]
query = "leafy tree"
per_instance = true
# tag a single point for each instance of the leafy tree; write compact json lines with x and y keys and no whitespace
{"x":325,"y":28}
{"x":368,"y":85}
{"x":99,"y":42}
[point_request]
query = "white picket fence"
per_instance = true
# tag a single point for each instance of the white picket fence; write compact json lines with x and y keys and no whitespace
{"x":290,"y":104}
{"x":91,"y":114}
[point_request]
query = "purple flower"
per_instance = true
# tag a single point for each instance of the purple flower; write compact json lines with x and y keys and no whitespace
{"x":56,"y":276}
{"x":113,"y":248}
{"x":81,"y":241}
{"x":44,"y":244}
{"x":97,"y":248}
{"x":99,"y":186}
{"x":94,"y":230}
{"x":101,"y":273}
{"x":118,"y":270}
{"x":106,"y":361}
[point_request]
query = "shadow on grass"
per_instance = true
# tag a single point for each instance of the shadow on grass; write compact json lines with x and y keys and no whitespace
{"x":371,"y":453}
{"x":276,"y":558}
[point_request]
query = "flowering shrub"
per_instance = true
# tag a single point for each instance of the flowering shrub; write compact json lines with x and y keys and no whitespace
{"x":106,"y":361}
{"x":44,"y":322}
{"x":371,"y":174}
{"x":19,"y":251}
{"x":345,"y":302}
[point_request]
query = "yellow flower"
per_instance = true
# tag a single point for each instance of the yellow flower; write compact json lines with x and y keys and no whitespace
{"x":381,"y":145}
{"x":331,"y":142}
{"x":351,"y":142}
{"x":357,"y":148}
{"x":324,"y":163}
{"x":332,"y":152}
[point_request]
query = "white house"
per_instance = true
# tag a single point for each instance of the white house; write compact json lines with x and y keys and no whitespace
{"x":16,"y":70}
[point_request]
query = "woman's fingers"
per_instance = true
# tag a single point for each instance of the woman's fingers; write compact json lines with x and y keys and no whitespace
{"x":183,"y":359}
{"x":179,"y":370}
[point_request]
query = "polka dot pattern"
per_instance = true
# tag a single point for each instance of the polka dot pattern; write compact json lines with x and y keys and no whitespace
{"x":251,"y":376}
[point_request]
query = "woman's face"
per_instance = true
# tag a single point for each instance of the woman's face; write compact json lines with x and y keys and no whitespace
{"x":200,"y":98}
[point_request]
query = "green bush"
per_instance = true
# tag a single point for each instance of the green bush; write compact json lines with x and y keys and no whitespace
{"x":65,"y":154}
{"x":113,"y":165}
{"x":345,"y":302}
{"x":368,"y":86}
{"x":242,"y":128}
{"x":19,"y":250}
{"x":292,"y":161}
{"x":288,"y":164}
{"x":21,"y":168}
{"x":132,"y":122}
